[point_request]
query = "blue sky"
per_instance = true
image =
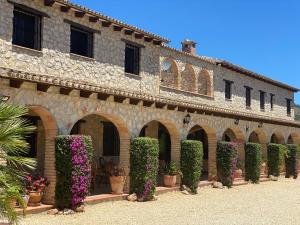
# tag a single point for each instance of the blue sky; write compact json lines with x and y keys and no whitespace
{"x":261,"y":35}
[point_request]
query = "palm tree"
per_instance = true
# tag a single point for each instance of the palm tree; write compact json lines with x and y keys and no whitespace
{"x":13,"y":131}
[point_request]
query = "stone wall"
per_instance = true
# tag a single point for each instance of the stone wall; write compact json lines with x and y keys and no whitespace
{"x":107,"y":66}
{"x":297,"y":112}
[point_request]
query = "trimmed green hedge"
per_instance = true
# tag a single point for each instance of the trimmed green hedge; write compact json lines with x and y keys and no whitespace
{"x":191,"y":163}
{"x":253,"y":160}
{"x":292,"y":160}
{"x":226,"y":162}
{"x":73,"y":156}
{"x":144,"y":167}
{"x":276,"y":156}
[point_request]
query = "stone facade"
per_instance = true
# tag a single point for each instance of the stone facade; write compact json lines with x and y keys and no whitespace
{"x":297,"y":112}
{"x":191,"y":79}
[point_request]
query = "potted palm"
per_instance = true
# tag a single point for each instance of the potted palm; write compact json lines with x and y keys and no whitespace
{"x":117,"y":179}
{"x":170,"y":174}
{"x":35,"y":188}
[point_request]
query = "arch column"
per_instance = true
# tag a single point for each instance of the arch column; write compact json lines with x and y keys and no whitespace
{"x":51,"y":131}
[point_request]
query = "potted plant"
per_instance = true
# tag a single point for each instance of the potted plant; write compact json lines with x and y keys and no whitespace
{"x":239,"y":171}
{"x":117,"y":178}
{"x":170,"y":174}
{"x":35,"y":188}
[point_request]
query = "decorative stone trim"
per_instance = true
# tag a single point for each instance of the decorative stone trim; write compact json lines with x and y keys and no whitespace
{"x":9,"y":73}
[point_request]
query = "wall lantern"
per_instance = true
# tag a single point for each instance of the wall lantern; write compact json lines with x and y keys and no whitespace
{"x":247,"y":128}
{"x":260,"y":125}
{"x":4,"y":98}
{"x":187,"y":119}
{"x":236,"y":121}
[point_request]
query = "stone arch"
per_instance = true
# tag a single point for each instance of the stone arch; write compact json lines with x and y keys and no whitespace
{"x":204,"y":83}
{"x":51,"y":131}
{"x":188,"y":79}
{"x":170,"y":141}
{"x":277,"y":138}
{"x":211,"y":136}
{"x":259,"y":136}
{"x":294,"y":138}
{"x":234,"y":134}
{"x":169,"y":73}
{"x":124,"y":139}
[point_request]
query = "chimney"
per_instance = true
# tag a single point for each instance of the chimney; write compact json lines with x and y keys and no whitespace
{"x":189,"y":46}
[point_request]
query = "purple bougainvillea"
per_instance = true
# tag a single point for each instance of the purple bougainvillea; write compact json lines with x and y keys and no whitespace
{"x":81,"y":170}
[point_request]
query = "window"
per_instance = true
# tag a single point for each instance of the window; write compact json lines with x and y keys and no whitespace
{"x":262,"y":100}
{"x":132,"y":59}
{"x":81,"y":42}
{"x":272,"y":96}
{"x":289,"y":107}
{"x":26,"y":29}
{"x":248,"y":96}
{"x":228,"y":89}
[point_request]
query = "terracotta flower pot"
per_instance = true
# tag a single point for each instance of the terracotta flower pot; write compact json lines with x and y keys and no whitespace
{"x":238,"y":173}
{"x":35,"y":198}
{"x":13,"y":203}
{"x":170,"y":181}
{"x":117,"y":184}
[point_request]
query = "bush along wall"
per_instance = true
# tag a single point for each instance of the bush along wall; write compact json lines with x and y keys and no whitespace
{"x":144,"y":167}
{"x":292,"y":161}
{"x":191,"y":163}
{"x":73,"y":169}
{"x":253,"y":161}
{"x":226,"y":162}
{"x":276,"y":156}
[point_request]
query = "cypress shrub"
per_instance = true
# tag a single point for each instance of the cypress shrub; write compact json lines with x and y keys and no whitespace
{"x":191,"y":163}
{"x":292,"y":160}
{"x":226,"y":162}
{"x":276,"y":156}
{"x":144,"y":167}
{"x":73,"y":156}
{"x":253,"y":160}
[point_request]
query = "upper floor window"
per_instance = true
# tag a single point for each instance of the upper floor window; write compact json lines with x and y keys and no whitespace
{"x":289,"y":106}
{"x":248,"y":96}
{"x":26,"y":29}
{"x":262,"y":100}
{"x":228,"y":89}
{"x":81,"y":42}
{"x":132,"y":59}
{"x":272,"y":99}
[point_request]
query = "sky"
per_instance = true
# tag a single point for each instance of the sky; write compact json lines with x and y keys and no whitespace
{"x":261,"y":35}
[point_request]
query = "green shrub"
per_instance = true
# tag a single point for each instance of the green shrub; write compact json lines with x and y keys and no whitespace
{"x":191,"y":163}
{"x":144,"y":167}
{"x":253,"y":159}
{"x":226,"y":162}
{"x":171,"y":169}
{"x":276,"y":156}
{"x":292,"y":160}
{"x":73,"y":155}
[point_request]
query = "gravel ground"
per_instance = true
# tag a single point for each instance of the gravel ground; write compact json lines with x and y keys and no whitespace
{"x":267,"y":203}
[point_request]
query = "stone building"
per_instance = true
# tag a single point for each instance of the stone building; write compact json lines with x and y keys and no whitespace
{"x":81,"y":72}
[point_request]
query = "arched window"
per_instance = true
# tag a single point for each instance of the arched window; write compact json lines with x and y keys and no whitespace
{"x":204,"y":83}
{"x":188,"y":79}
{"x":169,"y":73}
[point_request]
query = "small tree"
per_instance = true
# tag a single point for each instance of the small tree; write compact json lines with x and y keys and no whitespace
{"x":191,"y":163}
{"x":276,"y":156}
{"x":13,"y":129}
{"x":144,"y":167}
{"x":292,"y":161}
{"x":253,"y":160}
{"x":226,"y":162}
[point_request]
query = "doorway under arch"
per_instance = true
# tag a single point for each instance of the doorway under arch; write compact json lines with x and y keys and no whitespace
{"x":111,"y":143}
{"x":277,"y":138}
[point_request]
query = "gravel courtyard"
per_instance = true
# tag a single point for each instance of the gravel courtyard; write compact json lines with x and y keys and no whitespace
{"x":267,"y":203}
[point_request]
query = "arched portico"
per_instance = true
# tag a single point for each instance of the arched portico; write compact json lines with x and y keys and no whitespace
{"x":111,"y":142}
{"x":259,"y":136}
{"x":294,"y":138}
{"x":234,"y":134}
{"x":45,"y":148}
{"x":277,"y":138}
{"x":208,"y":137}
